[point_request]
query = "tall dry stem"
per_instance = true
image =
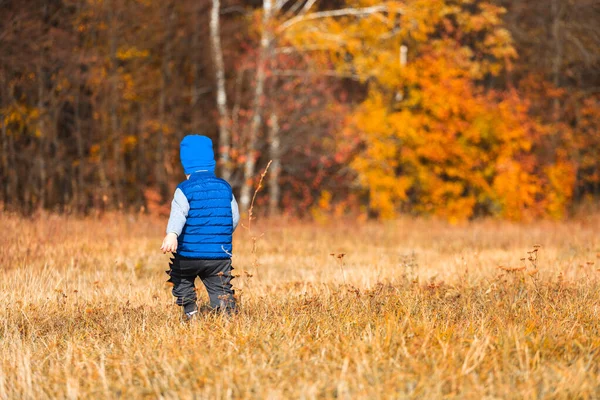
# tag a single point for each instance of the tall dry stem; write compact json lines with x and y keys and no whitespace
{"x":254,"y":237}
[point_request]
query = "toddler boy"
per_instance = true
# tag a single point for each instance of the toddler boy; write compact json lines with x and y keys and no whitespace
{"x":204,"y":215}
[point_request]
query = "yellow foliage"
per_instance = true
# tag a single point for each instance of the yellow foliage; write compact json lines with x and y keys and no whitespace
{"x":129,"y":142}
{"x":128,"y":87}
{"x":128,"y":53}
{"x":321,"y":211}
{"x":450,"y":148}
{"x":514,"y":190}
{"x":434,"y":141}
{"x":20,"y":119}
{"x":561,"y":179}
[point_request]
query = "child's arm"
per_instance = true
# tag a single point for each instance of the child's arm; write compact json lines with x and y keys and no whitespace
{"x":179,"y":211}
{"x":235,"y":212}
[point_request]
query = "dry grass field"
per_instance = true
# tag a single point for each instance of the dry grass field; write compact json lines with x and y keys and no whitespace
{"x":414,"y":309}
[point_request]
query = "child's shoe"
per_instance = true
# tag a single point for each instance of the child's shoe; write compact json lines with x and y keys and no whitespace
{"x":190,"y":311}
{"x":189,"y":316}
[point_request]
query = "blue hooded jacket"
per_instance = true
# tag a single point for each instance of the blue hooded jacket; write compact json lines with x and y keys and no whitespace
{"x":208,"y":230}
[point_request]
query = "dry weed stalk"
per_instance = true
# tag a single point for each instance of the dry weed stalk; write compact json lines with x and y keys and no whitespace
{"x":253,"y":237}
{"x":340,"y":259}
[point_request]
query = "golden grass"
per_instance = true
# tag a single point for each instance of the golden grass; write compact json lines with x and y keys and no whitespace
{"x":414,"y":309}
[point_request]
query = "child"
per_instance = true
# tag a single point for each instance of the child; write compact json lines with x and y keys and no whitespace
{"x":204,"y":215}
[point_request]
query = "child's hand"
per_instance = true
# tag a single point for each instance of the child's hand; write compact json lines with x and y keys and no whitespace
{"x":169,"y":243}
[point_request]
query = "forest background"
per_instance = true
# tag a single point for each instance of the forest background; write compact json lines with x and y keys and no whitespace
{"x":453,"y":108}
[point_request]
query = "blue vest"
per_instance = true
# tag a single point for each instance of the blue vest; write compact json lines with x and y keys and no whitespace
{"x":208,"y":230}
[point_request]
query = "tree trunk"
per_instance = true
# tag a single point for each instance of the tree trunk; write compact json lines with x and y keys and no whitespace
{"x":224,"y":117}
{"x":235,"y":117}
{"x":41,"y":162}
{"x":77,"y":180}
{"x":4,"y":174}
{"x":113,"y":109}
{"x":4,"y":165}
{"x":160,"y":172}
{"x":257,"y":108}
{"x":275,"y":155}
{"x":12,"y":179}
{"x":195,"y":60}
{"x":557,"y":10}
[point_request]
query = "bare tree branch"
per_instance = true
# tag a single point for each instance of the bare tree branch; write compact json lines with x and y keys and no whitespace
{"x":584,"y":53}
{"x":279,"y":4}
{"x":292,"y":49}
{"x":234,"y":9}
{"x":307,"y":6}
{"x":296,"y":72}
{"x":295,"y":7}
{"x":333,"y":13}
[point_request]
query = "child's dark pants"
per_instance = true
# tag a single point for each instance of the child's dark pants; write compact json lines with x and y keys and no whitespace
{"x":216,"y":276}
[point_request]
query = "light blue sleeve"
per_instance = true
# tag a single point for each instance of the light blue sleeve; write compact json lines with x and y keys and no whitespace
{"x":235,"y":212}
{"x":179,"y":212}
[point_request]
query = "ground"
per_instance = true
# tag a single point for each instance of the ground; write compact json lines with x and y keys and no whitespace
{"x":411,"y":308}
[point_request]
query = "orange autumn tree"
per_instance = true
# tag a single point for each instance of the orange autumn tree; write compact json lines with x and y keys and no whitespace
{"x":434,"y":140}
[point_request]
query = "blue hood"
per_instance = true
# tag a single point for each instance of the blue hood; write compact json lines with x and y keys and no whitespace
{"x":196,"y":154}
